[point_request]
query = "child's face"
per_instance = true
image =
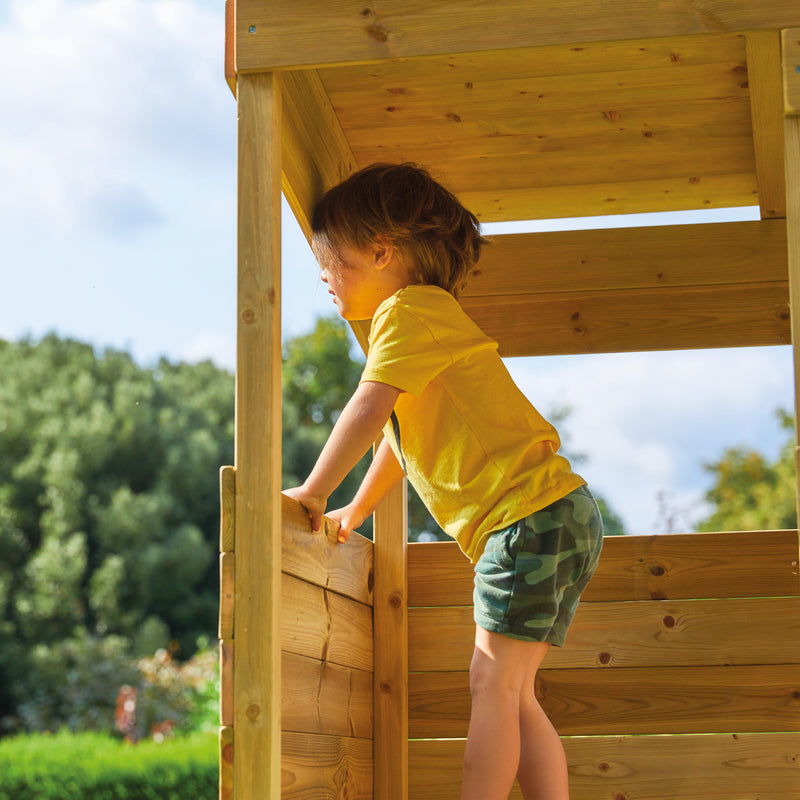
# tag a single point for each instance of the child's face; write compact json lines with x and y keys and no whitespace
{"x":363,"y":280}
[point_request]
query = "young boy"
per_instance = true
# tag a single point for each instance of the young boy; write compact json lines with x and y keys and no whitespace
{"x":395,"y":247}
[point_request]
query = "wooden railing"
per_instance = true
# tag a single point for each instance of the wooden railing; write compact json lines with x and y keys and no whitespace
{"x":680,"y":678}
{"x":694,"y":634}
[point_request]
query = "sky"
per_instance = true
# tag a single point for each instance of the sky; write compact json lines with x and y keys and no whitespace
{"x":118,"y":227}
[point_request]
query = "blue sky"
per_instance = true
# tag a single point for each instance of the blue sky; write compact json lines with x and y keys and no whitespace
{"x":117,"y":223}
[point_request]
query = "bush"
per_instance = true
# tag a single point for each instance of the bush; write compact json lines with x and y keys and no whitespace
{"x":91,"y":766}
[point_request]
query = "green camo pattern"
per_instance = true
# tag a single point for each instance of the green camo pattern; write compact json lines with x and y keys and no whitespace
{"x":529,"y":579}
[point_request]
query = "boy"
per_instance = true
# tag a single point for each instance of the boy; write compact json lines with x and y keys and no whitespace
{"x":395,"y":247}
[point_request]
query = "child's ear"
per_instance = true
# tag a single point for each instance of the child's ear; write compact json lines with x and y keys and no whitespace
{"x":383,"y":252}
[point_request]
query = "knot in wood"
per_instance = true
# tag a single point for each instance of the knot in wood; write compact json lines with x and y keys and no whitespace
{"x":248,"y":316}
{"x":253,"y":712}
{"x":669,"y":621}
{"x":604,"y":658}
{"x":385,"y":687}
{"x":657,"y":570}
{"x":377,"y":33}
{"x":395,"y":600}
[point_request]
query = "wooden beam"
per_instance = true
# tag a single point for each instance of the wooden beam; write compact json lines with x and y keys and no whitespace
{"x":391,"y":647}
{"x":790,"y":41}
{"x":288,"y":33}
{"x":316,"y":154}
{"x":668,"y":256}
{"x":643,"y":319}
{"x":742,"y":766}
{"x":678,"y":566}
{"x":648,"y":633}
{"x":766,"y":92}
{"x":791,"y":127}
{"x":257,"y":668}
{"x":661,"y":700}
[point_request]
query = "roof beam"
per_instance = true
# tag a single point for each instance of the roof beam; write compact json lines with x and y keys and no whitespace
{"x":303,"y":33}
{"x":766,"y":92}
{"x":674,"y":287}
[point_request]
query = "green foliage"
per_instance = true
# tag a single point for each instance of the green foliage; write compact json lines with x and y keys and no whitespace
{"x":109,"y":522}
{"x":96,"y":767}
{"x":750,"y":493}
{"x":319,"y":377}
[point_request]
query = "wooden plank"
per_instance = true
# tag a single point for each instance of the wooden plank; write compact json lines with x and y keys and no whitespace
{"x":641,"y":319}
{"x":322,"y":697}
{"x":227,"y":584}
{"x":668,"y":256}
{"x":671,"y":95}
{"x":225,"y":763}
{"x":229,"y":57}
{"x":391,"y":646}
{"x":584,"y":702}
{"x":320,"y":559}
{"x":315,"y":152}
{"x":257,"y":768}
{"x":766,"y":90}
{"x":791,"y":54}
{"x":666,"y":193}
{"x":313,"y":32}
{"x":227,"y":509}
{"x":632,"y":634}
{"x":316,"y":766}
{"x":733,"y":564}
{"x":755,"y":766}
{"x":506,"y":63}
{"x":674,"y":566}
{"x":321,"y":624}
{"x":790,"y":42}
{"x":226,"y":681}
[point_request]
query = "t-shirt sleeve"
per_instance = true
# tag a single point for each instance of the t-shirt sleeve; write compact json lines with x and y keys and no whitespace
{"x":404,"y":352}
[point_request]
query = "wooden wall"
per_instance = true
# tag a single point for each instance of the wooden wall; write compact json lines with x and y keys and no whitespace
{"x":682,"y":634}
{"x":326,"y":726}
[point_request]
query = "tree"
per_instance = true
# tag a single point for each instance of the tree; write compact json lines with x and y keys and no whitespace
{"x":752,"y":493}
{"x":108,"y":516}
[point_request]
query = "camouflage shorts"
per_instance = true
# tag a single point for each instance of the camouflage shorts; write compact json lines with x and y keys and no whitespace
{"x":530,"y":577}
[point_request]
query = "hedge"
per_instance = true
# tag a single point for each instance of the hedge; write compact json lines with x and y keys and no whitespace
{"x":91,"y":766}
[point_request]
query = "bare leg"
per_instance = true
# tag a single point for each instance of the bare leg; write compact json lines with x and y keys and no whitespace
{"x":508,"y":731}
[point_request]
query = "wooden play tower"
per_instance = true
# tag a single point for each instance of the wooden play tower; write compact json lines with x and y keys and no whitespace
{"x":344,"y":667}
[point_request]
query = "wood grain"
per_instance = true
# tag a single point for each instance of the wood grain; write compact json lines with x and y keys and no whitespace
{"x":319,"y":766}
{"x":674,"y":566}
{"x":320,"y":559}
{"x":257,"y":769}
{"x":321,"y":624}
{"x":758,"y":766}
{"x":764,"y":79}
{"x":321,"y":697}
{"x":313,"y":32}
{"x":652,"y":633}
{"x":656,"y":700}
{"x":635,"y":320}
{"x":391,"y":646}
{"x":661,"y":257}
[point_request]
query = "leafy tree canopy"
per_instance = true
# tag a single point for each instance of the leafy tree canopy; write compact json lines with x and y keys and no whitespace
{"x":108,"y":514}
{"x":752,"y":493}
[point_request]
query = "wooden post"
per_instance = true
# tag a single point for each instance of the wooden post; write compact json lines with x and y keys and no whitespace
{"x":390,"y":626}
{"x":790,"y":41}
{"x":257,"y":664}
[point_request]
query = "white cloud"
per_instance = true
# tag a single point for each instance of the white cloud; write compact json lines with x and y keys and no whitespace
{"x":99,"y":99}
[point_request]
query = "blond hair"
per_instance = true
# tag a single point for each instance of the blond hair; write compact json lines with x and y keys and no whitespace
{"x":439,"y":239}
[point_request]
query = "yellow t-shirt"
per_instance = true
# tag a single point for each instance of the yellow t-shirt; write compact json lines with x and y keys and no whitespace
{"x":478,"y":453}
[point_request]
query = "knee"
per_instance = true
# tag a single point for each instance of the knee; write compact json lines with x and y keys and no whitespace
{"x":487,"y":680}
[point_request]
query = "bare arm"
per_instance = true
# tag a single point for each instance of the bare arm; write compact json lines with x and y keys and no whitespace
{"x":383,"y":475}
{"x":353,"y":434}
